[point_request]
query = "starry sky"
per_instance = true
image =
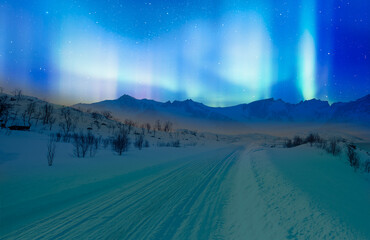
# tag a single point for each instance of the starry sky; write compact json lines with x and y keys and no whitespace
{"x":219,"y":52}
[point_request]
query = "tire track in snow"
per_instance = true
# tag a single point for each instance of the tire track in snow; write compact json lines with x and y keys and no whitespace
{"x":164,"y":206}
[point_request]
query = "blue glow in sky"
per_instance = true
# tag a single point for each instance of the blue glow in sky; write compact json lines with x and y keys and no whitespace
{"x":220,"y":52}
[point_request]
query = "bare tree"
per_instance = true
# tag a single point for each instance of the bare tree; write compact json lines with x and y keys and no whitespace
{"x":51,"y":122}
{"x":167,"y":126}
{"x":81,"y":145}
{"x":148,"y":127}
{"x":96,"y":116}
{"x":130,"y":124}
{"x":313,"y":138}
{"x":120,"y":142}
{"x":139,"y":141}
{"x":107,"y":114}
{"x":334,"y":147}
{"x":367,"y":166}
{"x":46,"y":112}
{"x":51,"y":146}
{"x":29,"y":113}
{"x":353,"y":156}
{"x":5,"y":107}
{"x":158,"y":125}
{"x":17,"y":94}
{"x":67,"y":125}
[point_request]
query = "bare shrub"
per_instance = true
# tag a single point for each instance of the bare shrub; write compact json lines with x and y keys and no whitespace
{"x":107,"y":114}
{"x":82,"y":143}
{"x":158,"y":125}
{"x":194,"y":133}
{"x":120,"y":142}
{"x":5,"y":108}
{"x":139,"y":141}
{"x":93,"y":144}
{"x":129,"y":124}
{"x":148,"y":127}
{"x":51,"y":122}
{"x":353,"y":156}
{"x":175,"y":143}
{"x":367,"y":166}
{"x":167,"y":126}
{"x":28,"y":113}
{"x":46,"y":113}
{"x":17,"y":94}
{"x":51,"y":146}
{"x":297,"y":140}
{"x":312,"y":138}
{"x":288,"y":143}
{"x":333,"y":147}
{"x":68,"y":121}
{"x":58,"y":137}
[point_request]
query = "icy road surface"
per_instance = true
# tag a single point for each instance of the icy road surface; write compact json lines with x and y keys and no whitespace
{"x":234,"y":192}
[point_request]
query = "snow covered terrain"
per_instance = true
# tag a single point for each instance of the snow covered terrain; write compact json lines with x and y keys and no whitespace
{"x":209,"y":186}
{"x":225,"y":191}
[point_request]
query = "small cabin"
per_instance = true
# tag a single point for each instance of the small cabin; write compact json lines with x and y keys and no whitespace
{"x":19,"y":128}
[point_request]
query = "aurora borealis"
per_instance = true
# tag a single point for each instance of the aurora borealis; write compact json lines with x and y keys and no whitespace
{"x":217,"y":52}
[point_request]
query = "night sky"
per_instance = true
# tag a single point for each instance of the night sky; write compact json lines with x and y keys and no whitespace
{"x":219,"y":52}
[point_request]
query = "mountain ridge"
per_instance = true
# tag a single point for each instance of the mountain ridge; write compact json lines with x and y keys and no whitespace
{"x":265,"y":110}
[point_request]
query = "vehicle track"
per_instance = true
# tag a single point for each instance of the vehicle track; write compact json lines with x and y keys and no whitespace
{"x":185,"y":201}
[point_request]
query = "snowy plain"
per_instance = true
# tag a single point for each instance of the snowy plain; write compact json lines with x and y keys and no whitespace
{"x":240,"y":190}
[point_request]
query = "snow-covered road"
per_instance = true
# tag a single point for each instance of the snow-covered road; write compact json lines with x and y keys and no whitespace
{"x":234,"y":192}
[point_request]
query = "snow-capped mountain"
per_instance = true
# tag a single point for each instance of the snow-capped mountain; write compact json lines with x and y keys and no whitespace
{"x":268,"y":110}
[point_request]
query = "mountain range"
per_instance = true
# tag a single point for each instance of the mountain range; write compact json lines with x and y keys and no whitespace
{"x":262,"y":111}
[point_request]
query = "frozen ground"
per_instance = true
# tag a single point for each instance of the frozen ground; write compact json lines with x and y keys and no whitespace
{"x":217,"y":191}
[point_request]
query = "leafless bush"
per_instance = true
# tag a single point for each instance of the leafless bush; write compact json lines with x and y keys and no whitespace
{"x":353,"y":156}
{"x":297,"y":140}
{"x":148,"y":127}
{"x":46,"y":113}
{"x":367,"y":166}
{"x":96,"y":116}
{"x":288,"y":143}
{"x":83,"y":143}
{"x":17,"y":94}
{"x":313,"y":138}
{"x":175,"y":143}
{"x":28,"y":113}
{"x":51,"y":146}
{"x":58,"y":137}
{"x":169,"y":144}
{"x":167,"y":126}
{"x":120,"y":142}
{"x":333,"y":147}
{"x":139,"y":141}
{"x":129,"y":125}
{"x":107,"y":114}
{"x":194,"y":133}
{"x":5,"y":108}
{"x":68,"y":121}
{"x":93,"y":144}
{"x":158,"y":125}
